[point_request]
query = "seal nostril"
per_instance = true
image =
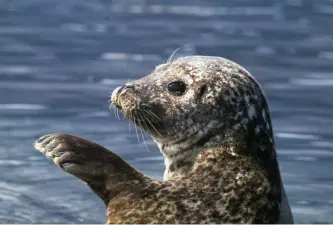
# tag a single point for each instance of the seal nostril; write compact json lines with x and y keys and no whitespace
{"x":115,"y":92}
{"x":120,"y":89}
{"x":127,"y":88}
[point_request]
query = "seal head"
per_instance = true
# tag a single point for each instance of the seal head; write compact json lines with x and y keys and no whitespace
{"x":198,"y":102}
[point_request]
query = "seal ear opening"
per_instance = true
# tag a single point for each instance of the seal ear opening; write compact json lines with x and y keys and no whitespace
{"x":202,"y":90}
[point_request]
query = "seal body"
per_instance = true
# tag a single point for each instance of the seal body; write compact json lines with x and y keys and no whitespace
{"x":211,"y":121}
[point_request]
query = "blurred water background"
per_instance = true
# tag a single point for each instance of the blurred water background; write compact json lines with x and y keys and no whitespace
{"x":60,"y":59}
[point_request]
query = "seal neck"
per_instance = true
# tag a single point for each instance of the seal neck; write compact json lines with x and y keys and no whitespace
{"x":177,"y":166}
{"x":182,"y":162}
{"x":256,"y":145}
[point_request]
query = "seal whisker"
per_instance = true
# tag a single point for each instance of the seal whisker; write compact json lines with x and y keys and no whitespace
{"x":145,"y":127}
{"x":141,"y":125}
{"x":174,"y":52}
{"x":153,"y":114}
{"x":152,"y":125}
{"x":129,"y":128}
{"x":117,"y":110}
{"x":136,"y":129}
{"x":112,"y":108}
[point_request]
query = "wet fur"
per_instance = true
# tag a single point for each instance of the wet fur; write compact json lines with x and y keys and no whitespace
{"x":217,"y":140}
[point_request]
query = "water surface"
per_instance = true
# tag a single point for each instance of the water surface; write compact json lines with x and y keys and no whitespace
{"x":60,"y":59}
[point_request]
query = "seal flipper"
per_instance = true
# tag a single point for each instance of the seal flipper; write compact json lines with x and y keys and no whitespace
{"x":106,"y":173}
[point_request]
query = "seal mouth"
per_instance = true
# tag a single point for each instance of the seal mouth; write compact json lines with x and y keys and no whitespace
{"x":144,"y":116}
{"x":116,"y":94}
{"x":118,"y":106}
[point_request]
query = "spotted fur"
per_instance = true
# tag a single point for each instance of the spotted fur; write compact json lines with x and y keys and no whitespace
{"x":204,"y":195}
{"x":217,"y":140}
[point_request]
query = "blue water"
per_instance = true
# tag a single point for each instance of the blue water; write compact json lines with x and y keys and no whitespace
{"x":60,"y":59}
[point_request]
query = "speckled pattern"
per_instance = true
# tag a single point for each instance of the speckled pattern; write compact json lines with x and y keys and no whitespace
{"x":204,"y":195}
{"x":216,"y":138}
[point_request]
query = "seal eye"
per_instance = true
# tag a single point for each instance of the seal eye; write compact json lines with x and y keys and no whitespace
{"x":177,"y":87}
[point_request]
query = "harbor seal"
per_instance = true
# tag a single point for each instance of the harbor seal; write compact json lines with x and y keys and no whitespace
{"x":211,"y":121}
